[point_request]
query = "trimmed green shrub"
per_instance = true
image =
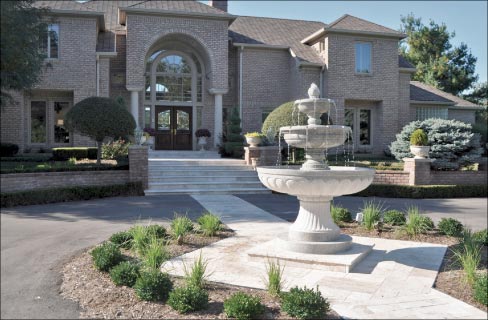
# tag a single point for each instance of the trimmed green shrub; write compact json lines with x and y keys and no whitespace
{"x":210,"y":224}
{"x":98,"y":118}
{"x":419,"y":138}
{"x":44,"y":196}
{"x":123,"y":239}
{"x":36,"y":157}
{"x":181,"y":226}
{"x":243,"y":306}
{"x":450,"y":227}
{"x":188,"y":299}
{"x":106,"y":256}
{"x":152,"y":285}
{"x":234,"y":141}
{"x":424,"y":192}
{"x":371,"y":214}
{"x":340,"y":214}
{"x":428,"y":222}
{"x":305,"y":303}
{"x":157,"y":231}
{"x":8,"y":149}
{"x":481,"y":289}
{"x":452,"y":143}
{"x":481,"y":237}
{"x":394,"y":218}
{"x":63,"y":154}
{"x":282,"y":116}
{"x":124,"y":274}
{"x":115,"y":150}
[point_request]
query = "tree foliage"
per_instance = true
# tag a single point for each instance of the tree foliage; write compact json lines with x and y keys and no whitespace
{"x":479,"y":95}
{"x":452,"y":143}
{"x":233,"y":146}
{"x":21,"y":60}
{"x":438,"y":63}
{"x":99,"y":118}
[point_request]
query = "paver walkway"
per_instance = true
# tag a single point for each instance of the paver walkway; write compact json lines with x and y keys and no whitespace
{"x":394,"y":281}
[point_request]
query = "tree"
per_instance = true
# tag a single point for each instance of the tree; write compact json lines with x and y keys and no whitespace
{"x":22,"y":26}
{"x":438,"y":63}
{"x":233,"y":146}
{"x":479,"y":95}
{"x":99,"y":118}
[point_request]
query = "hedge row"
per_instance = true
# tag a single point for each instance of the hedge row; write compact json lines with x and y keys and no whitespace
{"x":420,"y":192}
{"x":62,"y":154}
{"x":44,"y":196}
{"x":65,"y":167}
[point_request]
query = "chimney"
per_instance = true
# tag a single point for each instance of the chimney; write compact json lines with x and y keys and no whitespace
{"x":219,"y":4}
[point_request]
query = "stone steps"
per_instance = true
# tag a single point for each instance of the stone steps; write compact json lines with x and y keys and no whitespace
{"x":194,"y":175}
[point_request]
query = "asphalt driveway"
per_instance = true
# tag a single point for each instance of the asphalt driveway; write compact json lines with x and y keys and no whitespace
{"x":37,"y":240}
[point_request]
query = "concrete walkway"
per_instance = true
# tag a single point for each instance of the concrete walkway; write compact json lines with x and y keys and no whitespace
{"x":394,"y":281}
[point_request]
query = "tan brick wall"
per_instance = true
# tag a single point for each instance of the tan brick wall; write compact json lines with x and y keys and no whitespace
{"x":11,"y":120}
{"x":117,"y":70}
{"x":404,"y":113}
{"x":32,"y":181}
{"x":104,"y":71}
{"x":467,"y":116}
{"x":391,"y":177}
{"x":138,"y":164}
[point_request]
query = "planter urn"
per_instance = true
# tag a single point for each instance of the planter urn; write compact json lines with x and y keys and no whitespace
{"x":253,"y":141}
{"x":420,"y":152}
{"x":202,"y":142}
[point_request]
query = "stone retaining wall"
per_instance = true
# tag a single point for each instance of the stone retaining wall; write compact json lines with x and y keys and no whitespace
{"x":391,"y":177}
{"x":43,"y":180}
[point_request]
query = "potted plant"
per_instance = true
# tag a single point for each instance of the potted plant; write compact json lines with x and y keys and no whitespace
{"x":202,"y":135}
{"x":254,"y":138}
{"x":419,"y":144}
{"x":149,"y":134}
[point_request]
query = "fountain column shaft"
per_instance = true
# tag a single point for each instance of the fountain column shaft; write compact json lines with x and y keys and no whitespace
{"x":314,"y":222}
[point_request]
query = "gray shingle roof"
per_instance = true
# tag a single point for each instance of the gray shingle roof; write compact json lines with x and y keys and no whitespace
{"x":348,"y":22}
{"x":423,"y":92}
{"x":403,"y":63}
{"x":280,"y":32}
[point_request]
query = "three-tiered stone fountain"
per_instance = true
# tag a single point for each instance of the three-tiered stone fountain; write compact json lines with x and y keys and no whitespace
{"x":314,"y":237}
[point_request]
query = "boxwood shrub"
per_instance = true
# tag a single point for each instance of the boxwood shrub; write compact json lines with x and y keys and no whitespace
{"x":423,"y":192}
{"x":43,"y":196}
{"x":153,"y":285}
{"x":450,"y":227}
{"x":123,"y":239}
{"x":303,"y":303}
{"x":394,"y":218}
{"x":481,"y":237}
{"x":125,"y":274}
{"x":480,"y":287}
{"x":106,"y":256}
{"x":62,"y":154}
{"x":243,"y":306}
{"x":188,"y":298}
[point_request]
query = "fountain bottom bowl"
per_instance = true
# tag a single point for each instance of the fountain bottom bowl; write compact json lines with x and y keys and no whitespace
{"x":342,"y":243}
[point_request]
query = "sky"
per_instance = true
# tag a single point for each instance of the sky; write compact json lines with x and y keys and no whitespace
{"x":467,"y":18}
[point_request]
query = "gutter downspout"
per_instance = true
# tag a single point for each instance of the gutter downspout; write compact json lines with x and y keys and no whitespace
{"x":240,"y":82}
{"x":98,"y":76}
{"x":322,"y":81}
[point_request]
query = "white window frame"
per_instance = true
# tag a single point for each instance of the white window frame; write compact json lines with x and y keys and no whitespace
{"x":362,"y":43}
{"x":356,"y":120}
{"x":51,"y":137}
{"x":49,"y":29}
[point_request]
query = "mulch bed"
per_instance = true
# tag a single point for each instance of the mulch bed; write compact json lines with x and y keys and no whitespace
{"x":99,"y":297}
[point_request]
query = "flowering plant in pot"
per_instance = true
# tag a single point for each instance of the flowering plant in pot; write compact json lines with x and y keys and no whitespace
{"x":202,"y":135}
{"x":254,"y":138}
{"x":419,"y":144}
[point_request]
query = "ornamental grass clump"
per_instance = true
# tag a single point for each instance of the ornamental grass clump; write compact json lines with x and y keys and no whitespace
{"x":155,"y":253}
{"x":152,"y":285}
{"x":416,"y":224}
{"x":180,"y":227}
{"x":303,"y":303}
{"x":340,"y":214}
{"x":243,"y":306}
{"x":210,"y":224}
{"x":274,"y":282}
{"x":468,"y":255}
{"x":450,"y":227}
{"x":371,"y":214}
{"x":188,"y":298}
{"x":125,"y":274}
{"x":196,"y":276}
{"x":140,"y":239}
{"x":106,"y":256}
{"x":394,"y":218}
{"x":123,"y":239}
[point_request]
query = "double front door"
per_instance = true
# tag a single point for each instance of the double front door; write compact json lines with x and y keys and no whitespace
{"x":173,"y":128}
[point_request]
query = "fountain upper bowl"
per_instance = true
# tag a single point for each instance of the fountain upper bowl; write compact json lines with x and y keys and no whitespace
{"x":315,"y":136}
{"x":314,"y":106}
{"x":335,"y":182}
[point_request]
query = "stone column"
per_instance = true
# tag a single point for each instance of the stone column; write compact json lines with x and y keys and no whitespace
{"x":218,"y":114}
{"x":419,"y":170}
{"x":138,"y":165}
{"x":134,"y":104}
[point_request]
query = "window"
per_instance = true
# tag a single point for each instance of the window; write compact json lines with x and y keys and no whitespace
{"x":61,"y":134}
{"x":423,"y":113}
{"x":147,"y":116}
{"x":38,"y":122}
{"x":363,"y":57}
{"x":50,"y":42}
{"x":364,"y":127}
{"x":362,"y":119}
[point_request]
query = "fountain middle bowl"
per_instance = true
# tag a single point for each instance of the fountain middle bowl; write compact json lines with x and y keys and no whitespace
{"x":335,"y":182}
{"x":316,"y":136}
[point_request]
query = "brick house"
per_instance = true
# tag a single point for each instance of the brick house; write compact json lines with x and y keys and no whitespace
{"x":182,"y":65}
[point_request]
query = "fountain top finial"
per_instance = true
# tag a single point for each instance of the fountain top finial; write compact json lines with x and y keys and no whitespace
{"x":313,"y":91}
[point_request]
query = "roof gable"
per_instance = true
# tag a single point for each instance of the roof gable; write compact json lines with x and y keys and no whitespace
{"x":348,"y":22}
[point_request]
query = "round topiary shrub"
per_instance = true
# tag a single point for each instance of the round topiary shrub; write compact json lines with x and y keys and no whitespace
{"x":123,"y":239}
{"x":106,"y":256}
{"x":243,"y":306}
{"x":152,"y":285}
{"x":340,"y":214}
{"x":281,"y":117}
{"x":157,"y":230}
{"x":394,"y":218}
{"x":481,"y":237}
{"x":450,"y":227}
{"x":452,"y":143}
{"x":188,"y":299}
{"x":427,"y":222}
{"x":124,"y":274}
{"x":98,"y":118}
{"x":305,"y":303}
